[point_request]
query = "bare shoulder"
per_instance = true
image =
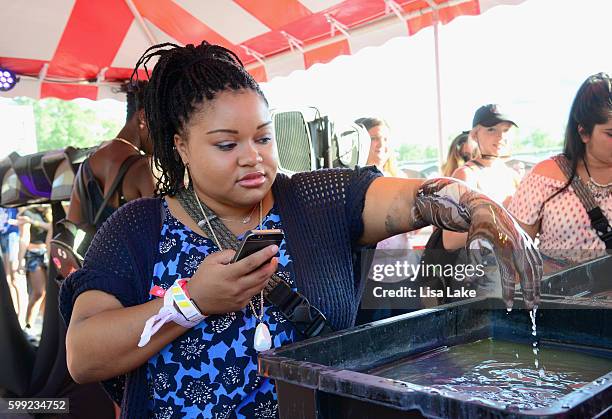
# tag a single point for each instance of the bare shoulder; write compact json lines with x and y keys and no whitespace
{"x":106,"y":160}
{"x":462,"y":173}
{"x":549,"y":168}
{"x":139,"y":180}
{"x":140,"y":166}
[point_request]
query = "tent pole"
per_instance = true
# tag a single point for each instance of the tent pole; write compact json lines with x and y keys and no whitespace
{"x":151,"y":38}
{"x":436,"y":21}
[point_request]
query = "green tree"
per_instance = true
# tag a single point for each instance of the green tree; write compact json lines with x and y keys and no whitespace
{"x":61,"y":123}
{"x":414,"y":152}
{"x":537,"y":140}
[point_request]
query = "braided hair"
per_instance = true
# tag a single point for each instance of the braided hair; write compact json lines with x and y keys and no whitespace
{"x":134,"y":97}
{"x":183,"y":79}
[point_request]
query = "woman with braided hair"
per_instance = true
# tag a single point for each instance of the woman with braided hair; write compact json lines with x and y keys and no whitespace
{"x":158,"y":302}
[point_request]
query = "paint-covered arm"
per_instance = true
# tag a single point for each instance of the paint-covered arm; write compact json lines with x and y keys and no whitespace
{"x":394,"y":206}
{"x":452,"y":205}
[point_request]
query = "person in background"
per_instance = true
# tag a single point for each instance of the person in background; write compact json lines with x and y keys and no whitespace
{"x":493,"y":131}
{"x":101,"y":168}
{"x":119,"y":169}
{"x":215,"y":148}
{"x":9,"y":243}
{"x":35,"y":231}
{"x":461,"y":150}
{"x":380,"y":155}
{"x":546,"y":203}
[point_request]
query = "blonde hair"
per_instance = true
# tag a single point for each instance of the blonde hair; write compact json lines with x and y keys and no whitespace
{"x":390,"y":166}
{"x":454,"y":159}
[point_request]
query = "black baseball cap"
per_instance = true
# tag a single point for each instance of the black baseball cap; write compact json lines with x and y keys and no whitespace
{"x":490,"y":115}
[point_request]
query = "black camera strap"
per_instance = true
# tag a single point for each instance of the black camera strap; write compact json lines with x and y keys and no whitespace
{"x":294,"y":306}
{"x":599,"y":222}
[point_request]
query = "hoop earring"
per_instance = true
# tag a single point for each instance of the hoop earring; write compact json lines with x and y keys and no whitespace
{"x":186,"y":177}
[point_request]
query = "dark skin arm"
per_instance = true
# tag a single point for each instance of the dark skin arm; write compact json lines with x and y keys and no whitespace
{"x":103,"y":335}
{"x":388,"y":208}
{"x":74,"y":210}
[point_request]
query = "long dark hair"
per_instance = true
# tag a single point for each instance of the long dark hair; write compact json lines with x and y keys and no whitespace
{"x":183,"y":79}
{"x":592,"y":106}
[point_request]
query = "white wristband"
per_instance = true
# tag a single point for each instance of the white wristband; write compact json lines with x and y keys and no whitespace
{"x":184,"y":303}
{"x":168,"y":313}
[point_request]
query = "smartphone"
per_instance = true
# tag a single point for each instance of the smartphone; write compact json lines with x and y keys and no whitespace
{"x":255,"y":240}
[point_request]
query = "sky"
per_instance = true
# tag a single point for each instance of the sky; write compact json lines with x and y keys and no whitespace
{"x":530,"y":58}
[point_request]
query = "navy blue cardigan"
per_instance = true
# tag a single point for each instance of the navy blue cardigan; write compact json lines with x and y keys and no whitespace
{"x":321,"y":212}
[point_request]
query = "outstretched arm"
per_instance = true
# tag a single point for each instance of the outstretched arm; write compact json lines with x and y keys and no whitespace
{"x":394,"y":206}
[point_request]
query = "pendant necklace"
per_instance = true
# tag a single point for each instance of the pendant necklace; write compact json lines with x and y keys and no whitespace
{"x":245,"y":220}
{"x":599,"y":191}
{"x":262,"y":340}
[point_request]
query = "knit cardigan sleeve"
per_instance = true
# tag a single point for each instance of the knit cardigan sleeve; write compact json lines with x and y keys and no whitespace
{"x":120,"y":258}
{"x":337,"y":193}
{"x":120,"y":262}
{"x":322,"y":214}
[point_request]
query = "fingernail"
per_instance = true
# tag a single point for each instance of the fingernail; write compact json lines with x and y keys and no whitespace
{"x":274,"y":248}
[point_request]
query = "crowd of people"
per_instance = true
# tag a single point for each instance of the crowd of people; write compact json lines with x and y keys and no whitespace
{"x":565,"y":202}
{"x":213,"y":146}
{"x":24,"y":236}
{"x":117,"y":171}
{"x":200,"y":149}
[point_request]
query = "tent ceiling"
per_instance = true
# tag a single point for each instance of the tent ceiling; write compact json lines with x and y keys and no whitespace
{"x":82,"y":48}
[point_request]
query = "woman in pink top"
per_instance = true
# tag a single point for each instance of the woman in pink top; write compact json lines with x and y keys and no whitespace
{"x":547,"y":205}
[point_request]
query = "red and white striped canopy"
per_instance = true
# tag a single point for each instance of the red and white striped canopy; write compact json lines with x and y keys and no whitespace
{"x":82,"y":48}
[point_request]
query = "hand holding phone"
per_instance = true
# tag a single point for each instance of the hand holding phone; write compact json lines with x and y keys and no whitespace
{"x":219,"y":286}
{"x":255,"y":240}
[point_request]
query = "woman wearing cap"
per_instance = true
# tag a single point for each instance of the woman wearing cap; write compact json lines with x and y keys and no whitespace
{"x":546,"y":203}
{"x":493,"y":131}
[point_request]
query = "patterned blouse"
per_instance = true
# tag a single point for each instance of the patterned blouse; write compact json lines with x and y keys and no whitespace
{"x":565,"y":231}
{"x":211,"y":370}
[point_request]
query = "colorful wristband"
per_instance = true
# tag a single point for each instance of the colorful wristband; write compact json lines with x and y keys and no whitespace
{"x":167,"y":313}
{"x":185,"y":305}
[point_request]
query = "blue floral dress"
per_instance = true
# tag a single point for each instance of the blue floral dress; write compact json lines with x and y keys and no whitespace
{"x":211,"y":370}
